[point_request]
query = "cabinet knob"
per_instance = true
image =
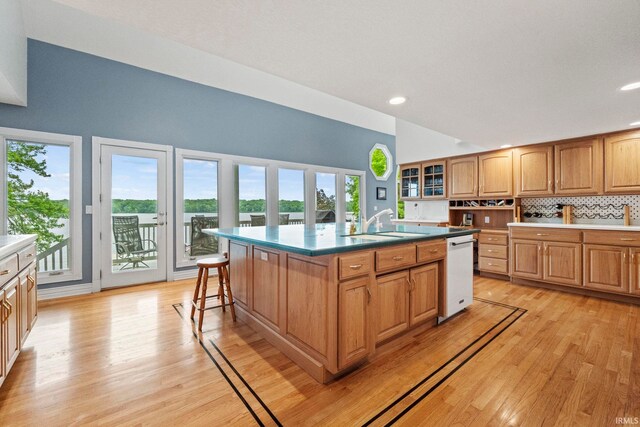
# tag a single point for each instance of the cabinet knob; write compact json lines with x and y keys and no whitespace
{"x":355,"y":266}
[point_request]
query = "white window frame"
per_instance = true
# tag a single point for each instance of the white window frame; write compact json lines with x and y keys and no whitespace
{"x":182,"y":260}
{"x":227,"y":204}
{"x":75,"y":194}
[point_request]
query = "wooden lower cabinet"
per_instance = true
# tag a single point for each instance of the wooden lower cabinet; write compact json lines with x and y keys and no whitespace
{"x":634,"y":271}
{"x":424,"y":293}
{"x":605,"y":268}
{"x":526,"y":259}
{"x":354,"y":335}
{"x":563,"y":263}
{"x":392,"y":308}
{"x":240,"y":271}
{"x":12,"y":323}
{"x":32,"y":297}
{"x":265,"y":299}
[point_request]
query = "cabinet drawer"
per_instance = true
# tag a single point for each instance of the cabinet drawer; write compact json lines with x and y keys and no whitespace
{"x":432,"y":250}
{"x":493,"y":251}
{"x":492,"y":238}
{"x":354,"y":265}
{"x":8,"y":268}
{"x":620,"y":238}
{"x":26,"y":255}
{"x":493,"y":265}
{"x":392,"y":258}
{"x":551,"y":234}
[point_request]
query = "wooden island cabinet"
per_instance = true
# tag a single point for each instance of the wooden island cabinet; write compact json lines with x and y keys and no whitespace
{"x":329,"y":312}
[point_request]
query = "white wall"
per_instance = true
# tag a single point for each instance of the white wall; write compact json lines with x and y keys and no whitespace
{"x":13,"y":54}
{"x":415,"y":143}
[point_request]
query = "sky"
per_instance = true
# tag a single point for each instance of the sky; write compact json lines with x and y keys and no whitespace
{"x":58,"y":161}
{"x":136,"y":178}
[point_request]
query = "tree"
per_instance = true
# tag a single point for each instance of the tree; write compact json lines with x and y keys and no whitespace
{"x":353,"y":190}
{"x":31,"y":211}
{"x":378,"y":162}
{"x":324,"y":202}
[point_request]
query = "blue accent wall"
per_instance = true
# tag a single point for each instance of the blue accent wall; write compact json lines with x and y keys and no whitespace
{"x":76,"y":93}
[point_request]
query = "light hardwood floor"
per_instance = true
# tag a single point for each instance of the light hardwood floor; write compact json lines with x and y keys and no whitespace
{"x":128,"y":357}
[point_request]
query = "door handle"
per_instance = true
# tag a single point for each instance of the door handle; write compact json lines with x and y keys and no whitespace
{"x":368,"y":295}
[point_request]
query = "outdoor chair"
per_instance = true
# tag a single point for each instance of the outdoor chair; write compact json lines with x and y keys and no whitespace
{"x":130,"y":247}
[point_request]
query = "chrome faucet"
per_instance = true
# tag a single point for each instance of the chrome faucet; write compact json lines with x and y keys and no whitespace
{"x":376,"y":218}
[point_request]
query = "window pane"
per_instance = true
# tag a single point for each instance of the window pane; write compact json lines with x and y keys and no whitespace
{"x":325,"y":197}
{"x":200,"y":191}
{"x":352,"y":197}
{"x":252,"y":207}
{"x":38,"y":193}
{"x":291,"y":194}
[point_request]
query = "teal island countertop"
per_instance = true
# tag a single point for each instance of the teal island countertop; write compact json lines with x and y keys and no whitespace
{"x":324,"y":239}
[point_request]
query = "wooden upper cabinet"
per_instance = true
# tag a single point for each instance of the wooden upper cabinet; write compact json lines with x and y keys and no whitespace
{"x":463,"y":177}
{"x":495,"y":174}
{"x":410,"y":181}
{"x":622,"y":160}
{"x":579,"y":167}
{"x":533,"y":171}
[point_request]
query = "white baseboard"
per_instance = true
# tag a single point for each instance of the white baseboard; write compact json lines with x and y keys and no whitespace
{"x":187,"y":274}
{"x":65,"y":291}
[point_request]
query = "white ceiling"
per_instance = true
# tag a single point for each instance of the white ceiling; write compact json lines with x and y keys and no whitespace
{"x":487,"y":72}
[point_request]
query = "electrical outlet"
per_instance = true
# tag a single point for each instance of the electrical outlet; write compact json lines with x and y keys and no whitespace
{"x":264,"y":256}
{"x":375,"y":208}
{"x":487,"y":219}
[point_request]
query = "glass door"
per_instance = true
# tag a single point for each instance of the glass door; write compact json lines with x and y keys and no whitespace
{"x":133,"y":216}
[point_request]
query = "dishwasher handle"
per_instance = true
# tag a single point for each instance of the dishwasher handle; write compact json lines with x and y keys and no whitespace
{"x":463,"y":243}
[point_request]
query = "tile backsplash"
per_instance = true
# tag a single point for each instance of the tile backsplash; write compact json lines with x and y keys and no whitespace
{"x":587,"y":209}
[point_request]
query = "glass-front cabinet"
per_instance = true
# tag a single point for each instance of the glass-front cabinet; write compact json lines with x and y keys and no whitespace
{"x":433,"y":180}
{"x":410,"y":181}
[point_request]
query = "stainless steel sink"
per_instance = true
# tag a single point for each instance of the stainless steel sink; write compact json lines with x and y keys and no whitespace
{"x":370,"y":236}
{"x":402,"y":234}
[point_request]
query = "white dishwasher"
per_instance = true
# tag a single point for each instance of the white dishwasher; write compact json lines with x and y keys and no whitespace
{"x":459,"y":275}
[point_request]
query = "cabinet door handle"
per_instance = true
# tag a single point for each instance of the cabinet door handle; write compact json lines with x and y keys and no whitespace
{"x":355,"y":266}
{"x":539,"y":249}
{"x":491,"y":239}
{"x":434,"y":251}
{"x":4,"y":272}
{"x":368,"y":295}
{"x":413,"y":284}
{"x":546,"y":250}
{"x":408,"y":284}
{"x":31,"y":281}
{"x":398,"y":258}
{"x":542,"y":234}
{"x":627,"y":239}
{"x":633,"y":258}
{"x":624,"y":257}
{"x":10,"y":307}
{"x":29,"y":255}
{"x":490,"y":250}
{"x":490,"y":264}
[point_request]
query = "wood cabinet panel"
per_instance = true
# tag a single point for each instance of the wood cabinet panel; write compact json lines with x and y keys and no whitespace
{"x":395,"y":257}
{"x":12,"y":323}
{"x":8,"y":268}
{"x":434,"y":181}
{"x":563,"y":263}
{"x":410,"y":181}
{"x":493,"y":251}
{"x":493,"y":265}
{"x":240,"y":271}
{"x":23,"y":298}
{"x":542,"y":233}
{"x":266,"y":285}
{"x":495,"y":174}
{"x":634,"y":271}
{"x":431,"y":251}
{"x":493,"y":238}
{"x":26,"y":256}
{"x":533,"y":171}
{"x":605,"y":268}
{"x":463,"y":177}
{"x":3,"y":339}
{"x":307,"y":303}
{"x":32,"y":296}
{"x":579,"y":167}
{"x":392,"y":305}
{"x":353,"y":321}
{"x":616,"y":238}
{"x":622,"y":157}
{"x":526,"y":259}
{"x":354,"y":265}
{"x":424,"y":293}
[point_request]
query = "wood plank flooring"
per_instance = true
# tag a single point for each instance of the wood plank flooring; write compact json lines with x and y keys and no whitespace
{"x":127,"y":357}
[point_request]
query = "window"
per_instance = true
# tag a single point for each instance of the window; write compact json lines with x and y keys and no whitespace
{"x":352,"y":197}
{"x":380,"y":162}
{"x":198,"y":208}
{"x":42,"y":188}
{"x":291,"y":196}
{"x":325,"y":197}
{"x":252,"y":197}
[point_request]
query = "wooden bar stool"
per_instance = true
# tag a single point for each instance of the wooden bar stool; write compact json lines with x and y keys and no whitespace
{"x":221,"y":262}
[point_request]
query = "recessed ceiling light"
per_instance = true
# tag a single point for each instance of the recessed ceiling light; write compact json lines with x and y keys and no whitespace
{"x":506,"y":146}
{"x":631,"y":86}
{"x":397,"y":100}
{"x":635,"y":123}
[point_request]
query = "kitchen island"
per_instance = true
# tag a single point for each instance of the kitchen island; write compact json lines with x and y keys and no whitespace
{"x":327,"y":299}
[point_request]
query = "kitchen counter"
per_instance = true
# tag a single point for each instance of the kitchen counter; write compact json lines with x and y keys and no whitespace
{"x":420,"y":221}
{"x":577,"y":226}
{"x":11,"y":243}
{"x":325,"y":239}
